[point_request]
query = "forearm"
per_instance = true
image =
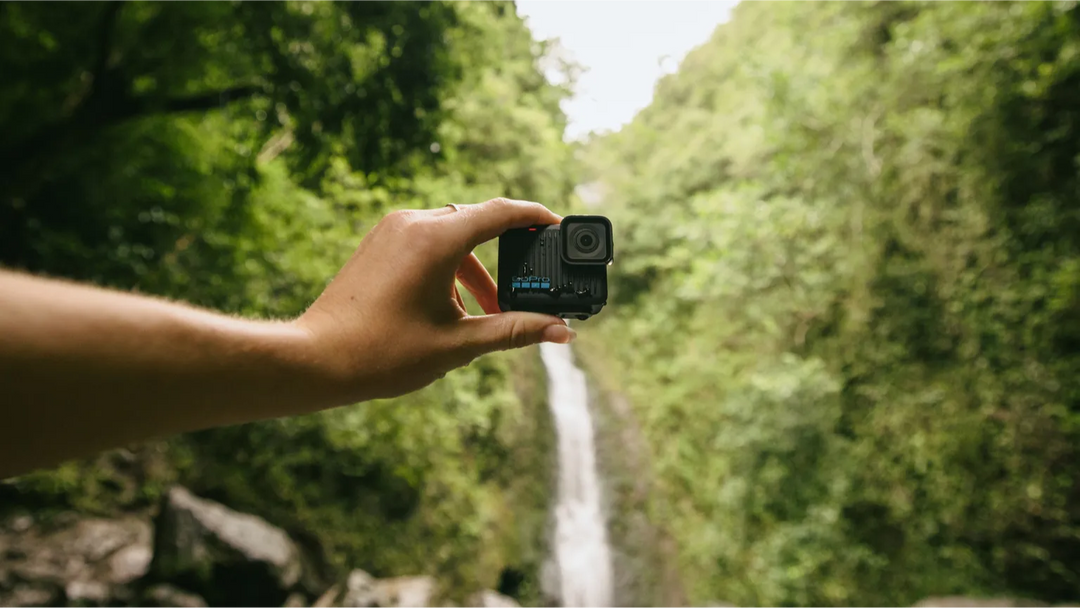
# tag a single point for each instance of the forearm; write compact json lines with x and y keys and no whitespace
{"x":84,"y":369}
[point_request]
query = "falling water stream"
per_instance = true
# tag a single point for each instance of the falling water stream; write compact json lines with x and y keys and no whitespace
{"x":581,"y":554}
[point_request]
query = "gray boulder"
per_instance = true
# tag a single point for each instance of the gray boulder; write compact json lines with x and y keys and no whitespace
{"x":405,"y":591}
{"x":227,"y":557}
{"x":32,"y":594}
{"x":88,"y":561}
{"x":959,"y":601}
{"x":492,"y":599}
{"x":167,"y":595}
{"x":360,"y":591}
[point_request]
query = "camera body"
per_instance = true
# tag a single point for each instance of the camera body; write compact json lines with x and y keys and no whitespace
{"x":558,"y":269}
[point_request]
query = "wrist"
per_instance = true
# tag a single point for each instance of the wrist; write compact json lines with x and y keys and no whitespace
{"x":297,"y":378}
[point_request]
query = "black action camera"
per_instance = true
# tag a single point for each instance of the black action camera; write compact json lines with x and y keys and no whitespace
{"x":559,"y":269}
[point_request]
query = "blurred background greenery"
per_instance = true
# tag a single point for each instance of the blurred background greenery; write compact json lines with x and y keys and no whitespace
{"x":848,"y":301}
{"x":846,"y":306}
{"x":232,"y":155}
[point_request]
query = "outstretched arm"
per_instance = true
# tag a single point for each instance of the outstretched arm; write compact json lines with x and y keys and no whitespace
{"x":85,"y":369}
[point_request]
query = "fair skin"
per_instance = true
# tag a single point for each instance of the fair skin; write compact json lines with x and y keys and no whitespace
{"x":84,"y":369}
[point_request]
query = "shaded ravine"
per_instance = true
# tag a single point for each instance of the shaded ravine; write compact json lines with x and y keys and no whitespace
{"x":580,"y":551}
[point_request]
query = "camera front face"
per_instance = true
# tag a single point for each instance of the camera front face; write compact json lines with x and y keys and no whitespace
{"x":559,"y":269}
{"x":586,"y":239}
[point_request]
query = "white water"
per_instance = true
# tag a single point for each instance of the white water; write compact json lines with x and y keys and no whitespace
{"x":582,"y":557}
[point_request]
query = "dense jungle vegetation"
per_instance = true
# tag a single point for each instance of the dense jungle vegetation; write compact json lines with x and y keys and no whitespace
{"x":848,"y":301}
{"x":846,"y":297}
{"x":232,"y":155}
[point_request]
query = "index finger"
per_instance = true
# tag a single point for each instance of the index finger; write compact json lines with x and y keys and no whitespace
{"x":476,"y":224}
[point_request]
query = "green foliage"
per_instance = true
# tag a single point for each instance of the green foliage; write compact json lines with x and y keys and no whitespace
{"x":846,"y":301}
{"x":232,"y":155}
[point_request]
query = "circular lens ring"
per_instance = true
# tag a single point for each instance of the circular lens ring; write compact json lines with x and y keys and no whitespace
{"x":586,"y":240}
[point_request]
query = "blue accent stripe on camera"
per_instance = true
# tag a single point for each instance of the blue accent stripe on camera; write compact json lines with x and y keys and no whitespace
{"x":516,"y":285}
{"x":545,"y":285}
{"x":535,"y":285}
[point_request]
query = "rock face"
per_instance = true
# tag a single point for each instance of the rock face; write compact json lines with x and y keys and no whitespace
{"x":361,"y":590}
{"x":490,"y":599}
{"x":229,"y":558}
{"x":204,"y":553}
{"x":167,"y":595}
{"x":83,"y":560}
{"x":959,"y":601}
{"x":201,"y":553}
{"x":405,"y":591}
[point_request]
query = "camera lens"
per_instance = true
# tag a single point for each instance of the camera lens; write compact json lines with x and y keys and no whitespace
{"x":586,"y":240}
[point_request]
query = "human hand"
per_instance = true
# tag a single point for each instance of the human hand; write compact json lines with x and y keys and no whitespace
{"x":392,"y":321}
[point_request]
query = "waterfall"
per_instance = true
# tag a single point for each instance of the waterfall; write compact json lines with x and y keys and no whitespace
{"x":581,"y":554}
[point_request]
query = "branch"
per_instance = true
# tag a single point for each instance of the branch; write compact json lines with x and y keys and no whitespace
{"x":275,"y":146}
{"x":129,"y":107}
{"x":202,"y":101}
{"x":83,"y":123}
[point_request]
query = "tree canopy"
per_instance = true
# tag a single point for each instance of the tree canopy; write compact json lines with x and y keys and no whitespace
{"x":846,"y":301}
{"x":231,"y":155}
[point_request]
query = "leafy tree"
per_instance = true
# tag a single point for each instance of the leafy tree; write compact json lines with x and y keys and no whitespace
{"x":232,"y":155}
{"x":846,"y":301}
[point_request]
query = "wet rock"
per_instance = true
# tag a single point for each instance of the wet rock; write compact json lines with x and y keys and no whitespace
{"x":227,"y":557}
{"x":85,"y":560}
{"x":32,"y":594}
{"x":88,"y":592}
{"x":491,"y":599}
{"x":360,"y":590}
{"x":405,"y":591}
{"x":958,"y":601}
{"x":21,"y":523}
{"x":167,"y":595}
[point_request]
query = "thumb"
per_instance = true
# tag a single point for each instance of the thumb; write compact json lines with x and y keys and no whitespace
{"x":509,"y":330}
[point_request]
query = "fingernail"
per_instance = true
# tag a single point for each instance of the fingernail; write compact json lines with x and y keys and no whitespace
{"x":559,"y":334}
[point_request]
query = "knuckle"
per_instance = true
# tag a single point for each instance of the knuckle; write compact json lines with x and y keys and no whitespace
{"x":500,"y":203}
{"x":424,"y":227}
{"x":399,"y":218}
{"x":535,"y":209}
{"x":518,"y":334}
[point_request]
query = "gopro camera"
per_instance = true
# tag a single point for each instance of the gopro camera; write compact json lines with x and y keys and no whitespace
{"x":558,"y":269}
